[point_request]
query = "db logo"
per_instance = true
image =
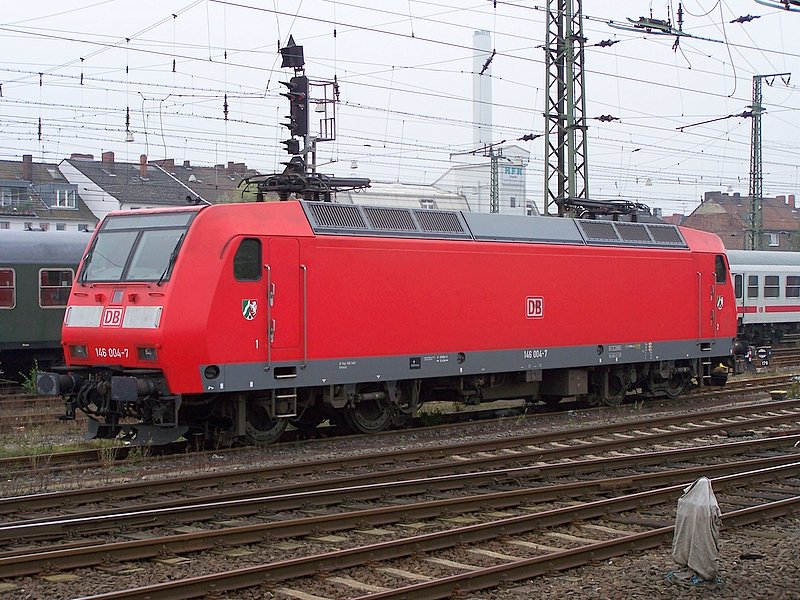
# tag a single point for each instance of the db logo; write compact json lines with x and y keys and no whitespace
{"x":534,"y":307}
{"x":112,"y":316}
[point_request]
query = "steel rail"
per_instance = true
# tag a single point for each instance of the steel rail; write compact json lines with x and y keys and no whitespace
{"x":119,"y":492}
{"x":67,"y":460}
{"x":332,"y":561}
{"x":61,"y":459}
{"x":26,"y":561}
{"x":568,"y":559}
{"x":242,"y":502}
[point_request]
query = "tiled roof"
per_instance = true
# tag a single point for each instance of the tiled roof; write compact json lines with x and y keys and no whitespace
{"x":42,"y":174}
{"x":217,"y":184}
{"x":729,"y":216}
{"x":125,"y":181}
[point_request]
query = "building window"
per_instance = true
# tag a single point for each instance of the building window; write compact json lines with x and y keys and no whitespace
{"x":7,"y":288}
{"x":774,"y":240}
{"x":83,"y":227}
{"x":752,"y":286}
{"x":54,"y":286}
{"x":61,"y":226}
{"x":513,"y":202}
{"x":772,"y":286}
{"x":28,"y":226}
{"x":44,"y":226}
{"x":529,"y":209}
{"x":65,"y":198}
{"x":792,"y":286}
{"x":5,"y":224}
{"x":247,"y":262}
{"x":427,"y":203}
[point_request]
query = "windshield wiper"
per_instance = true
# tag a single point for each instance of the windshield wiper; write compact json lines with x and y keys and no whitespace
{"x":172,"y":258}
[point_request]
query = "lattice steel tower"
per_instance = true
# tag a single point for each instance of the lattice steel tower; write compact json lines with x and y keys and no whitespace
{"x":565,"y":168}
{"x":755,"y":230}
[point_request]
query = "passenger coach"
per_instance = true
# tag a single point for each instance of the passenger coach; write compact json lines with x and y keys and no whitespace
{"x":36,"y":272}
{"x":767,"y":289}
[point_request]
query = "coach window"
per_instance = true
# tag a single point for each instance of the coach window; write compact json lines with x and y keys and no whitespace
{"x":737,"y":285}
{"x":247,"y":262}
{"x":792,"y":286}
{"x":54,"y":286}
{"x":752,"y":286}
{"x":772,"y":286}
{"x":7,"y":295}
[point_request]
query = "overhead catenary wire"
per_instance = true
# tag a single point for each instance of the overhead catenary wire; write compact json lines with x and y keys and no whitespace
{"x":352,"y":77}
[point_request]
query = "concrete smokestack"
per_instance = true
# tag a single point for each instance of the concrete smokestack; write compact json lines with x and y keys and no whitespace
{"x":481,"y":89}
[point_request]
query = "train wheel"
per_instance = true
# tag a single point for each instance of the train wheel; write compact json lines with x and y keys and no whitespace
{"x":261,"y":428}
{"x":616,"y":390}
{"x":369,"y":416}
{"x":675,"y":386}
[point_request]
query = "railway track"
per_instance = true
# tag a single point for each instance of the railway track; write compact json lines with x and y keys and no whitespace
{"x":447,"y":563}
{"x":54,"y":462}
{"x":530,"y":490}
{"x":776,"y":417}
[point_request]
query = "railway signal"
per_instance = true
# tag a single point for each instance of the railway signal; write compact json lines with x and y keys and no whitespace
{"x":298,"y":105}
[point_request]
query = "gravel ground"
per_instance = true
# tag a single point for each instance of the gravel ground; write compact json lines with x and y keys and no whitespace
{"x":756,"y":562}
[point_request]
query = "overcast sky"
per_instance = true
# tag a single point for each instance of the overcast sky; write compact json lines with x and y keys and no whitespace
{"x":405,"y":71}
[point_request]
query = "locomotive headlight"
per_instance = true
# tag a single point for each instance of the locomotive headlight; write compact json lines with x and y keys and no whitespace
{"x":78,"y":352}
{"x":147,"y":353}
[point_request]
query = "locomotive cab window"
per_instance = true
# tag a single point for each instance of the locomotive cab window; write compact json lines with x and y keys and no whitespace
{"x":792,"y":286}
{"x":772,"y":286}
{"x":54,"y":286}
{"x":247,"y":262}
{"x":752,"y":286}
{"x":136,"y":247}
{"x":720,"y":270}
{"x":7,"y":288}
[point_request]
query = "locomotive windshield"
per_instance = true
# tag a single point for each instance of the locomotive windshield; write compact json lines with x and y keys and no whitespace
{"x":138,"y":247}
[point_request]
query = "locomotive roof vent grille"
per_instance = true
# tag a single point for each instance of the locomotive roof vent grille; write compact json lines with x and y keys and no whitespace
{"x":599,"y":231}
{"x":394,"y":219}
{"x":666,"y":234}
{"x":439,"y":221}
{"x":623,"y":233}
{"x":633,"y":232}
{"x":354,"y":219}
{"x":336,"y":216}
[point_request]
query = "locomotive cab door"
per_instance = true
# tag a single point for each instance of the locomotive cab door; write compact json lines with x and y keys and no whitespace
{"x":284,"y":298}
{"x":708,"y":297}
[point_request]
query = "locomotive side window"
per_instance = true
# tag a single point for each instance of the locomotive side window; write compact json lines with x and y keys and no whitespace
{"x":247,"y":262}
{"x":792,"y":286}
{"x":54,"y":286}
{"x":737,"y":285}
{"x":772,"y":286}
{"x":752,"y":286}
{"x":7,"y":288}
{"x":720,"y":270}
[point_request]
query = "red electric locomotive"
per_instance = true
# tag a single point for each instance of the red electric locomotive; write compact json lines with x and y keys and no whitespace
{"x":235,"y":320}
